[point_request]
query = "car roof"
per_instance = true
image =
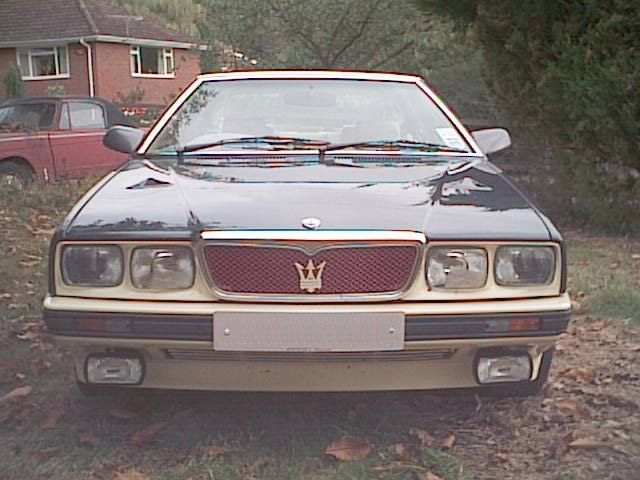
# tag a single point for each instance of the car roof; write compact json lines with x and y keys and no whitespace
{"x":309,"y":74}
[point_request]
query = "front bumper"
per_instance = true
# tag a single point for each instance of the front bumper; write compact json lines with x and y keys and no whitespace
{"x":442,"y":341}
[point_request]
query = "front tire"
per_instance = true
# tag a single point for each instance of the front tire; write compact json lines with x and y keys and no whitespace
{"x":523,"y":389}
{"x":15,"y":176}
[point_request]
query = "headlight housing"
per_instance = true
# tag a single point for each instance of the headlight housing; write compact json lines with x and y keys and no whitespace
{"x":162,"y":268}
{"x":92,"y":265}
{"x":525,"y":265}
{"x":455,"y":267}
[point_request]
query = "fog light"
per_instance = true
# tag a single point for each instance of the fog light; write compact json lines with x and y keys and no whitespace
{"x":113,"y":369}
{"x":506,"y":368}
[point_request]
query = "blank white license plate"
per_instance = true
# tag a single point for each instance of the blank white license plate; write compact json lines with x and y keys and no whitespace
{"x":308,"y":332}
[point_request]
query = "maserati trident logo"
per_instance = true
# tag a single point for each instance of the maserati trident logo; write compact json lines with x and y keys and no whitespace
{"x":310,"y":276}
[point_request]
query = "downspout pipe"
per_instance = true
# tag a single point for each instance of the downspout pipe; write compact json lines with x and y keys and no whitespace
{"x":86,"y":45}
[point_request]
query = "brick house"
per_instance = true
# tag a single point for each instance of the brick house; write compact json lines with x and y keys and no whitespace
{"x":89,"y":47}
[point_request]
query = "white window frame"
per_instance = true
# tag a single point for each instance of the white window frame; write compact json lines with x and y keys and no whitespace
{"x":166,"y":61}
{"x":54,"y":50}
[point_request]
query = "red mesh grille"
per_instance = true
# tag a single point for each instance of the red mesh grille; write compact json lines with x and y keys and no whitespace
{"x":348,"y":269}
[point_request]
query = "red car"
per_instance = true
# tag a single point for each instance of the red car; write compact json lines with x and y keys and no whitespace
{"x":47,"y":138}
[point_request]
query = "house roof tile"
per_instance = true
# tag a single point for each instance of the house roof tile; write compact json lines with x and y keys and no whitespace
{"x":37,"y":21}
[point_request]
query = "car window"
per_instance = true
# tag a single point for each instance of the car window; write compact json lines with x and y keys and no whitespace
{"x":27,"y":116}
{"x":86,"y":115}
{"x":65,"y":123}
{"x":325,"y":110}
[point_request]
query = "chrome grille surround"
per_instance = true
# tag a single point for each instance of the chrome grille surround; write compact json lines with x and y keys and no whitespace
{"x":312,"y":242}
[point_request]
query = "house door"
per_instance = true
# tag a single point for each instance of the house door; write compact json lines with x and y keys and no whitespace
{"x":77,"y":146}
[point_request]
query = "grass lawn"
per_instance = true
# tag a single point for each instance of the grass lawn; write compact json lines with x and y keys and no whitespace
{"x":53,"y":432}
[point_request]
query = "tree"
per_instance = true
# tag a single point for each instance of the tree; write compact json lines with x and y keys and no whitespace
{"x":181,"y":15}
{"x":326,"y":34}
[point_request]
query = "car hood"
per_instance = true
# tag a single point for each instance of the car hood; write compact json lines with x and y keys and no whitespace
{"x":461,"y":199}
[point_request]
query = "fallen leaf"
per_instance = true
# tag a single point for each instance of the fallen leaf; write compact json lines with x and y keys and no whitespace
{"x":146,"y":435}
{"x":500,"y":457}
{"x":425,"y":439}
{"x":16,"y":394}
{"x":131,"y":474}
{"x":614,"y":265}
{"x":563,"y":445}
{"x":214,"y":451}
{"x":56,"y":412}
{"x":588,"y":443}
{"x":19,"y":376}
{"x":122,"y":413}
{"x":88,"y":439}
{"x":29,"y":335}
{"x":349,"y":449}
{"x":584,"y":375}
{"x":39,"y":366}
{"x":29,"y":264}
{"x":44,"y":454}
{"x":431,"y":476}
{"x":570,"y":406}
{"x":447,"y":442}
{"x":635,"y":256}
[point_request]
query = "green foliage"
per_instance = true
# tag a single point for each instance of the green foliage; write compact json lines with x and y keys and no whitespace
{"x":13,"y":84}
{"x":568,"y":70}
{"x":56,"y":90}
{"x":133,"y":97}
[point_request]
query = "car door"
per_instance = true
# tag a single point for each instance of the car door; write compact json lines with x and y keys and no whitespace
{"x":77,"y":145}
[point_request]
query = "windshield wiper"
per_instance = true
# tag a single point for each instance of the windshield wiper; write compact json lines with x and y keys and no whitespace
{"x":268,"y":140}
{"x":392,"y":144}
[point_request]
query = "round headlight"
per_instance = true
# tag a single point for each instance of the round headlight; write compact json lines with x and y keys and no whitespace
{"x":525,"y":265}
{"x":92,"y":265}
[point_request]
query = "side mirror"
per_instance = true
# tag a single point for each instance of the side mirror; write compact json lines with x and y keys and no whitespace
{"x":123,"y":139}
{"x":491,"y":140}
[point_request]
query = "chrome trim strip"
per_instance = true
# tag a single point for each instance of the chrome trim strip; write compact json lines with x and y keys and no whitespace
{"x":316,"y":235}
{"x":402,"y":355}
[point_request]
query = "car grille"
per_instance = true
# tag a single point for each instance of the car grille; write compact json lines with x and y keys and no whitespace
{"x":269,"y":269}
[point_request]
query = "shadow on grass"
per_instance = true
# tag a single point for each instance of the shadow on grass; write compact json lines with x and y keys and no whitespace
{"x":255,"y":435}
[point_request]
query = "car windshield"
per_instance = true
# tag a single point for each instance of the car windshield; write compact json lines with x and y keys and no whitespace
{"x":303,"y":113}
{"x":26,"y":116}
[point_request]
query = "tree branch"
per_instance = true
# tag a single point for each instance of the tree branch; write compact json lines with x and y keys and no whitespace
{"x":392,"y":55}
{"x":359,"y":33}
{"x":306,"y":39}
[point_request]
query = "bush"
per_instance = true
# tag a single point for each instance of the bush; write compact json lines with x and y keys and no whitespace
{"x":13,"y":84}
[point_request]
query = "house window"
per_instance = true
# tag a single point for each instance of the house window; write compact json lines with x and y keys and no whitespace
{"x":46,"y":62}
{"x":150,"y":61}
